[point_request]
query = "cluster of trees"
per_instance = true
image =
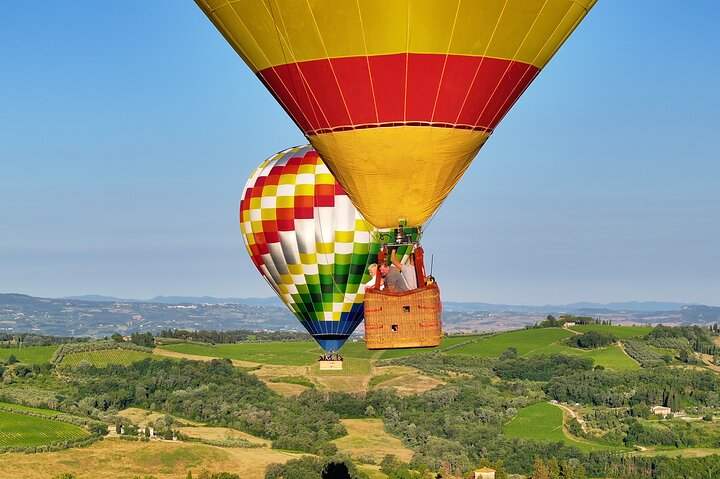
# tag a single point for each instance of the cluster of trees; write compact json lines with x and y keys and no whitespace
{"x":214,"y":392}
{"x":591,"y":340}
{"x":8,"y":340}
{"x":697,"y":338}
{"x":339,"y":467}
{"x":676,"y":434}
{"x":656,"y":386}
{"x":144,"y":340}
{"x":640,"y":352}
{"x":554,"y":469}
{"x":552,"y":322}
{"x":541,"y":367}
{"x":233,"y":336}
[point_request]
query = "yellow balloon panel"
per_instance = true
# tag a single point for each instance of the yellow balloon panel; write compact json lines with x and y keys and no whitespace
{"x":417,"y":176}
{"x":268,"y":33}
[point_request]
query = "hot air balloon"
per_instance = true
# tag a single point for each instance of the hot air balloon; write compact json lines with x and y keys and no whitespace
{"x":309,"y":242}
{"x":396,"y":96}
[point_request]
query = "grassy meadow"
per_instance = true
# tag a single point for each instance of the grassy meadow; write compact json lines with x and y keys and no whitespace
{"x":277,"y":352}
{"x":24,"y":430}
{"x":543,"y":421}
{"x":118,"y":459}
{"x":366,"y":438}
{"x":302,"y":353}
{"x":529,"y":342}
{"x":526,"y":341}
{"x":31,"y":355}
{"x":445,"y":343}
{"x":104,"y":357}
{"x":611,"y":357}
{"x":621,"y":332}
{"x":48,"y":412}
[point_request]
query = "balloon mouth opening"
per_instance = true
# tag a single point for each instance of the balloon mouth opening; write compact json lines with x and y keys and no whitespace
{"x":331,"y":342}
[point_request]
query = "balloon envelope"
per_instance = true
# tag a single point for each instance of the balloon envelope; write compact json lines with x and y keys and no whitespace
{"x":309,"y":242}
{"x":397,"y":96}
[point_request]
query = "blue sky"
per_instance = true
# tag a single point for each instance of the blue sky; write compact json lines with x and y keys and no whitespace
{"x":128,"y":130}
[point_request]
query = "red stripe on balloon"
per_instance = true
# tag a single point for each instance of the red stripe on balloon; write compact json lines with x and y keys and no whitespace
{"x":452,"y":91}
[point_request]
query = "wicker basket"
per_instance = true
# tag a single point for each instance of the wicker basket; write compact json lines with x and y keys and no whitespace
{"x":403,"y":320}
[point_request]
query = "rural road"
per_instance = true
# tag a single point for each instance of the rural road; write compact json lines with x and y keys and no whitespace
{"x":574,"y":414}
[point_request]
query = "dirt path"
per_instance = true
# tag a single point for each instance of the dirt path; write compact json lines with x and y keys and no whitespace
{"x":707,"y":359}
{"x":197,"y":357}
{"x":574,"y":414}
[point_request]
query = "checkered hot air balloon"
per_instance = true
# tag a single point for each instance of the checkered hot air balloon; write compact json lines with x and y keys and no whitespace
{"x":309,"y":242}
{"x":406,"y":89}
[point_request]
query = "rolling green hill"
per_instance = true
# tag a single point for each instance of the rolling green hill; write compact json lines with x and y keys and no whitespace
{"x":529,"y":342}
{"x":620,"y":332}
{"x":544,"y":421}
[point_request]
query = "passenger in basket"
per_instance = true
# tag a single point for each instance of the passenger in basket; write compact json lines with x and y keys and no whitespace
{"x":394,"y":281}
{"x":407,"y":270}
{"x":372,"y":269}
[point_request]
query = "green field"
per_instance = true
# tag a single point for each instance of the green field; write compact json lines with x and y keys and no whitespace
{"x":101,"y":358}
{"x":293,"y":353}
{"x":31,"y":355}
{"x":445,"y":343}
{"x":48,"y":412}
{"x":23,"y":430}
{"x":545,"y":422}
{"x":288,"y":353}
{"x":612,"y":357}
{"x":526,"y":341}
{"x":620,"y":332}
{"x":356,"y":349}
{"x":529,"y":342}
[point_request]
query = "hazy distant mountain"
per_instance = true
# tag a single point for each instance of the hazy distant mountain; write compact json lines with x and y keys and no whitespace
{"x":577,"y":308}
{"x":99,"y":297}
{"x":270,"y":301}
{"x":98,"y":316}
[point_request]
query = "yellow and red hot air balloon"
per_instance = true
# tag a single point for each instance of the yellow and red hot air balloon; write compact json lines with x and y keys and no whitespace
{"x":397,"y":96}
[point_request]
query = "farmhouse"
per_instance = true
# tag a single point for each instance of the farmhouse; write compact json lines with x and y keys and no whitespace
{"x":660,"y":410}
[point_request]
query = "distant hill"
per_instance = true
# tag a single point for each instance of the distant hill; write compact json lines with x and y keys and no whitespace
{"x":103,"y":317}
{"x":98,"y":316}
{"x":182,"y":300}
{"x":585,"y":307}
{"x":630,"y":306}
